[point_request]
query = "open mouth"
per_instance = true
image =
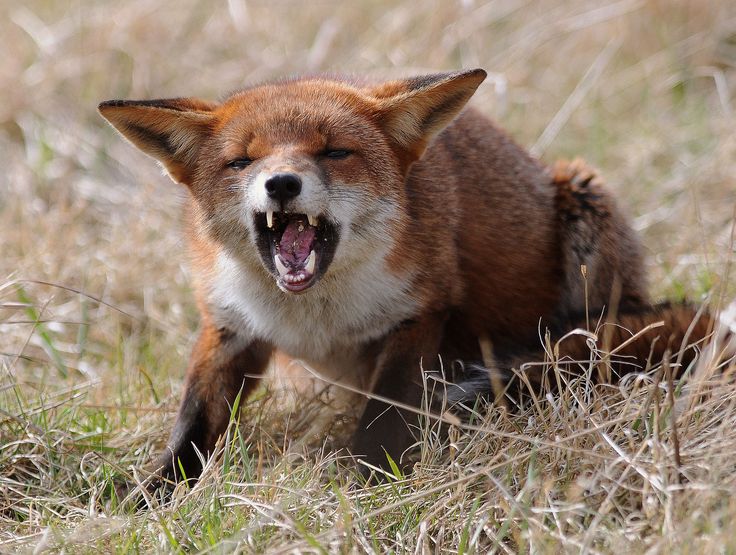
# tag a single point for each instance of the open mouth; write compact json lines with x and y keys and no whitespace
{"x":297,"y":248}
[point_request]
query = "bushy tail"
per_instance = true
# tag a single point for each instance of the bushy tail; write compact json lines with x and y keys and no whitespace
{"x":635,"y":340}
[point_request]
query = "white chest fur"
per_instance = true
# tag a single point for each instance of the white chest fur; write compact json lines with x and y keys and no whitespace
{"x":343,"y":311}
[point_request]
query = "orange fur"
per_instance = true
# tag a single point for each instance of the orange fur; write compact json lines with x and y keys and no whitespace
{"x":366,"y":228}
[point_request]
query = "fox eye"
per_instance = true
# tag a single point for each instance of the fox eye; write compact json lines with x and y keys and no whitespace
{"x":337,"y":154}
{"x":239,"y":163}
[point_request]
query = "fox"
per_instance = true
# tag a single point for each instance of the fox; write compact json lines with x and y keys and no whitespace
{"x":373,"y":229}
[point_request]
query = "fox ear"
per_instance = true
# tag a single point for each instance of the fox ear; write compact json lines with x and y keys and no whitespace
{"x":170,"y":131}
{"x":415,"y":110}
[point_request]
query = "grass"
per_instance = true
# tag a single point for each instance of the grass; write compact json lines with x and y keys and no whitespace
{"x":96,"y":315}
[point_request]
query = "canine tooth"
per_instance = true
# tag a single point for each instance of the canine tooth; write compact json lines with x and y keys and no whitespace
{"x":311,"y":261}
{"x":269,"y":219}
{"x":312,"y":220}
{"x":280,"y":266}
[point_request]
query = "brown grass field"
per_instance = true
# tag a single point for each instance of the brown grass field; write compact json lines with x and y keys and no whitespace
{"x":97,"y":317}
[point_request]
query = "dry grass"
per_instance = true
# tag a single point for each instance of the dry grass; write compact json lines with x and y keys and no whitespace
{"x":91,"y":365}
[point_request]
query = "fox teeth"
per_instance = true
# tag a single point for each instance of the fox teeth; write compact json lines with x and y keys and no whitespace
{"x":312,"y":220}
{"x":269,"y":219}
{"x":311,"y":261}
{"x":280,"y":266}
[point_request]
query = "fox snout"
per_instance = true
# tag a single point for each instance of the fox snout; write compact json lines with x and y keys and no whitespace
{"x":295,"y":239}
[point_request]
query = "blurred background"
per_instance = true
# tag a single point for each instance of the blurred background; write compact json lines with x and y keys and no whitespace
{"x":95,"y":305}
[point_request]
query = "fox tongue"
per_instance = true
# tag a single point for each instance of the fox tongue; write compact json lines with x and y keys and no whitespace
{"x":296,"y":242}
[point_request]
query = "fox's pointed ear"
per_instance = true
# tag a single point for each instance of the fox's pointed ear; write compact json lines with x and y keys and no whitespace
{"x":171,"y":131}
{"x":414,"y":110}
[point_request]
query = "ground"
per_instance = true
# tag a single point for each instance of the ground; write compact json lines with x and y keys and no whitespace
{"x":97,"y":317}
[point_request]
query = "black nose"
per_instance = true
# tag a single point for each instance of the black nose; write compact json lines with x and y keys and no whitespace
{"x":283,"y":186}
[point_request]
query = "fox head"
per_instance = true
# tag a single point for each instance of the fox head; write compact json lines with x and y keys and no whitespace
{"x":307,"y":173}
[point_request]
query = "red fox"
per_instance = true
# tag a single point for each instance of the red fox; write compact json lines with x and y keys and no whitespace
{"x":371,"y":229}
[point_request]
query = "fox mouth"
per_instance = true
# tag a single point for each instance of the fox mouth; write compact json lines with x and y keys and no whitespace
{"x":296,"y":248}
